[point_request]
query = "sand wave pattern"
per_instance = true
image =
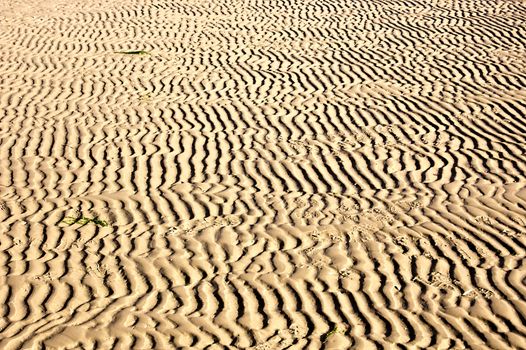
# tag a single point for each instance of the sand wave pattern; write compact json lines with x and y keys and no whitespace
{"x":211,"y":174}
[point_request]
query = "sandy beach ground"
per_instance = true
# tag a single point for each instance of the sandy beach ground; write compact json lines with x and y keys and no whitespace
{"x":262,"y":174}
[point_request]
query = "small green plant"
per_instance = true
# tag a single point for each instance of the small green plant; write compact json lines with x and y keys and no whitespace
{"x":327,"y":335}
{"x":133,"y":52}
{"x":82,"y":221}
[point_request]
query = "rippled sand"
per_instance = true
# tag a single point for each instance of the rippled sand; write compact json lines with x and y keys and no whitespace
{"x":262,"y":174}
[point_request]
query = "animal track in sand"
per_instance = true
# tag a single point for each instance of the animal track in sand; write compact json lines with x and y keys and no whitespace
{"x":192,"y":227}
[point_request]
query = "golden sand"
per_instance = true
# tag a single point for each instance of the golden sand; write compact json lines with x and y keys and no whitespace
{"x":262,"y":174}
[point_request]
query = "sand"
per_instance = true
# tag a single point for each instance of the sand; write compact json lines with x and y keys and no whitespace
{"x":262,"y":174}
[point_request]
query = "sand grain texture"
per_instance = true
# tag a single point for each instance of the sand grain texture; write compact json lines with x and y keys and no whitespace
{"x":274,"y":174}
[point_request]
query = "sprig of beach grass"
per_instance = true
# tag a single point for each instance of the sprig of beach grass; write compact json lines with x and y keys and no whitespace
{"x":327,"y":335}
{"x":82,"y":221}
{"x":133,"y":52}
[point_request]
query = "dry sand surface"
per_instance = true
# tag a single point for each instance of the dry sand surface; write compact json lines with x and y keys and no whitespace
{"x":262,"y":174}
